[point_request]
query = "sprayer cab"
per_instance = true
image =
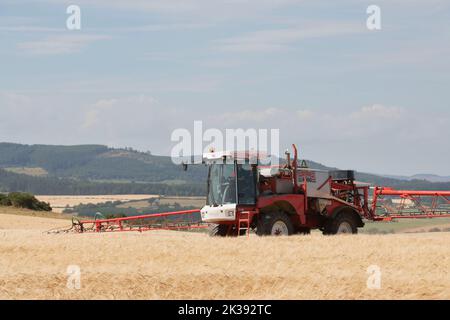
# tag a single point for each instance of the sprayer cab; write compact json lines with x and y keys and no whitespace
{"x":237,"y":179}
{"x":231,"y":184}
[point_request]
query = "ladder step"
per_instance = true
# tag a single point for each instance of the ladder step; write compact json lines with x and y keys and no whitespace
{"x":243,"y":222}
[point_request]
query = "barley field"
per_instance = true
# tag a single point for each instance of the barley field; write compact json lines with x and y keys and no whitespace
{"x":179,"y":265}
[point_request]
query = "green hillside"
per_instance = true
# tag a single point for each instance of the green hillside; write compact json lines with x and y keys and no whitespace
{"x":96,"y":162}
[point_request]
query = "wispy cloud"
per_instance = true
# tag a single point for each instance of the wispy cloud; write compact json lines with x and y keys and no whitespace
{"x":245,"y":116}
{"x":64,"y":44}
{"x":202,"y":7}
{"x":30,"y":28}
{"x":378,"y":111}
{"x":376,"y":119}
{"x":282,"y":38}
{"x":160,"y":27}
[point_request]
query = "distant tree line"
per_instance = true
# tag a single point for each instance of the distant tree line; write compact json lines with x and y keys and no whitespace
{"x":10,"y":182}
{"x":419,"y":185}
{"x":23,"y":200}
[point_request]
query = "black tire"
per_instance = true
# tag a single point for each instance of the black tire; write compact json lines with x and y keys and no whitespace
{"x":304,"y":231}
{"x":268,"y":221}
{"x":343,"y":223}
{"x":218,"y":230}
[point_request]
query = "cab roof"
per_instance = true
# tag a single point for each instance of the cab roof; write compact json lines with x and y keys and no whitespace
{"x":234,"y":155}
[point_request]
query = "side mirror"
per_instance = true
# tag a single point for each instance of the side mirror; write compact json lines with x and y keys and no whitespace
{"x":185,"y":166}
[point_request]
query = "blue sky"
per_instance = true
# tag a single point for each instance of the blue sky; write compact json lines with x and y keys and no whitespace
{"x":375,"y":101}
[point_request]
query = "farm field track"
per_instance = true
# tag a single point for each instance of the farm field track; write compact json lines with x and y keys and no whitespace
{"x":181,"y":265}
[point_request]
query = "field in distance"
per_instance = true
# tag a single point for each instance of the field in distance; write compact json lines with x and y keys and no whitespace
{"x":179,"y":265}
{"x":59,"y":203}
{"x":197,"y":202}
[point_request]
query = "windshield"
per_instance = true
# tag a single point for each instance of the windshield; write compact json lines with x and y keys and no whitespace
{"x":221,"y":184}
{"x":222,"y":181}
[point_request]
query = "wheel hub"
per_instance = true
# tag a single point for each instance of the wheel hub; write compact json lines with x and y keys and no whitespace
{"x":344,"y":228}
{"x":280,"y":228}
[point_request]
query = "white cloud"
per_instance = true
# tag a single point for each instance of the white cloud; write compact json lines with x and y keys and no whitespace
{"x":10,"y":100}
{"x":378,"y":111}
{"x":305,"y":114}
{"x":339,"y":126}
{"x":64,"y":44}
{"x":124,"y":119}
{"x":92,"y":115}
{"x":120,"y":110}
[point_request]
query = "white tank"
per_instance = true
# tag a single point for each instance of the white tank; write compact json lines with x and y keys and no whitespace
{"x":316,"y":180}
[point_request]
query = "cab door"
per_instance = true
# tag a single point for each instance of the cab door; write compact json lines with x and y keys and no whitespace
{"x":246,"y":184}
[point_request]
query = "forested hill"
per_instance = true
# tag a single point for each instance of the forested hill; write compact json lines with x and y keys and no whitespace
{"x":97,"y":169}
{"x":93,"y":162}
